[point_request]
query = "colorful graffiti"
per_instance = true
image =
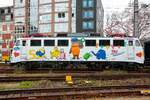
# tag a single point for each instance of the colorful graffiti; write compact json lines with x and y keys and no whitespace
{"x":58,"y":54}
{"x":75,"y":48}
{"x":16,"y":52}
{"x":55,"y":53}
{"x":16,"y":48}
{"x":86,"y":56}
{"x":116,"y":53}
{"x":62,"y":54}
{"x":101,"y":54}
{"x":39,"y":54}
{"x":139,"y":54}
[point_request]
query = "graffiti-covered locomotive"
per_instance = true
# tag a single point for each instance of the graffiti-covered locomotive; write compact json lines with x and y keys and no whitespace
{"x":77,"y":49}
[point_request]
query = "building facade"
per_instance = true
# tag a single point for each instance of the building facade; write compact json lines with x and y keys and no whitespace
{"x":57,"y":16}
{"x":6,"y":26}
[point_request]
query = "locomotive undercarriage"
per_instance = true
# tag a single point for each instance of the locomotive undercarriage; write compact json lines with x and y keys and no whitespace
{"x":79,"y":65}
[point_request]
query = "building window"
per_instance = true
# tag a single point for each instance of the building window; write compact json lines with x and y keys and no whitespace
{"x":33,"y":29}
{"x":88,"y":14}
{"x":45,"y":18}
{"x":2,"y":11}
{"x":8,"y":17}
{"x":4,"y":27}
{"x":19,"y":29}
{"x":88,"y":25}
{"x":19,"y":12}
{"x":88,"y":3}
{"x":21,"y":1}
{"x":72,"y":14}
{"x":45,"y":28}
{"x":61,"y":15}
{"x":9,"y":10}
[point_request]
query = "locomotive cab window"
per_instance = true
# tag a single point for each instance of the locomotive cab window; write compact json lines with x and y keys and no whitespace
{"x":35,"y":43}
{"x":104,"y":42}
{"x":18,"y":43}
{"x":24,"y":43}
{"x":90,"y":42}
{"x":49,"y":42}
{"x":63,"y":42}
{"x":118,"y":42}
{"x":137,"y":43}
{"x":130,"y":43}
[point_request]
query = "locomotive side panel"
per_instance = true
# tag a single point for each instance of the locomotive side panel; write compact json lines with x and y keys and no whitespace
{"x":77,"y":49}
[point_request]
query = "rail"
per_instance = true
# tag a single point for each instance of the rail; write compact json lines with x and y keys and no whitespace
{"x":75,"y":91}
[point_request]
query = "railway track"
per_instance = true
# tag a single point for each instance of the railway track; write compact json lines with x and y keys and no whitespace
{"x":7,"y":69}
{"x":75,"y":92}
{"x":75,"y":76}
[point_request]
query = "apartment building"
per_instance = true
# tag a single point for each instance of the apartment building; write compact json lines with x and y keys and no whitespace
{"x":6,"y":26}
{"x":57,"y":16}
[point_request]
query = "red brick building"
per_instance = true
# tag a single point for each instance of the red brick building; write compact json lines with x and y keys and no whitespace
{"x":6,"y":28}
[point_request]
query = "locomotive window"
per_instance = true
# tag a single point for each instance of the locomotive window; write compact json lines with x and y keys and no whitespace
{"x":35,"y":43}
{"x":49,"y":42}
{"x":118,"y":42}
{"x":90,"y":42}
{"x":18,"y":43}
{"x":130,"y":43}
{"x":24,"y":43}
{"x":137,"y":43}
{"x":104,"y":42}
{"x":63,"y":42}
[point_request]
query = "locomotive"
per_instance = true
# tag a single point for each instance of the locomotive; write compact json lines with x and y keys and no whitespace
{"x":95,"y":51}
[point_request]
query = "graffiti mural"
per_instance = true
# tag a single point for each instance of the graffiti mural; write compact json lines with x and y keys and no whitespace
{"x":75,"y":48}
{"x":139,"y":54}
{"x":81,"y":41}
{"x":62,"y":54}
{"x":55,"y":53}
{"x":39,"y":54}
{"x":16,"y":52}
{"x":86,"y":56}
{"x":116,"y":53}
{"x":101,"y":54}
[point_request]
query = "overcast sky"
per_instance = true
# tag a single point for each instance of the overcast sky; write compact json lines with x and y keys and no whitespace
{"x":109,"y":5}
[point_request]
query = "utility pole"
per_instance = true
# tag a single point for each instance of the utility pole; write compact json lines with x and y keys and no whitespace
{"x":135,"y":20}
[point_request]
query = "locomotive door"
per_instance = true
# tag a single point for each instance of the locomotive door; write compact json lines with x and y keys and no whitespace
{"x":130,"y":50}
{"x":24,"y":50}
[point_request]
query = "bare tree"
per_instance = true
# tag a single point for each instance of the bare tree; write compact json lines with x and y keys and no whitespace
{"x":123,"y":22}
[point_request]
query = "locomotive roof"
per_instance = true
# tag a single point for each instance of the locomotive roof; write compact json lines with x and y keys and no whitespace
{"x":79,"y":37}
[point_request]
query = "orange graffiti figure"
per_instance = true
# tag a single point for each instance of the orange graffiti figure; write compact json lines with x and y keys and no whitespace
{"x":75,"y":50}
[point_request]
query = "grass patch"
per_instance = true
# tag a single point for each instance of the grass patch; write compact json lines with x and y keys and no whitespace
{"x":26,"y":84}
{"x":44,"y":84}
{"x":114,"y":72}
{"x":19,"y":70}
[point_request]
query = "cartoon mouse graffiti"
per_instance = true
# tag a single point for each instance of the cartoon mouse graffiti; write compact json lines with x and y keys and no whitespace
{"x":75,"y":48}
